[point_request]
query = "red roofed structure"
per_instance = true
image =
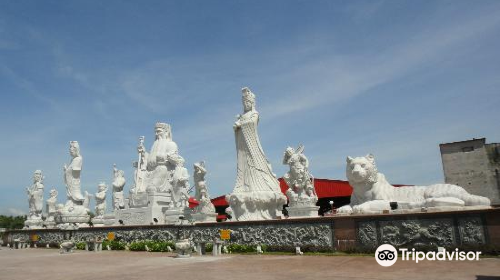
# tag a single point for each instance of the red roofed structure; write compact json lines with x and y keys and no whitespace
{"x":325,"y":187}
{"x":327,"y":190}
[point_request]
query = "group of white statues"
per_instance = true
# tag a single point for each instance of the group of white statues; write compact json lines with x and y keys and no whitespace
{"x":161,"y":187}
{"x":160,"y":192}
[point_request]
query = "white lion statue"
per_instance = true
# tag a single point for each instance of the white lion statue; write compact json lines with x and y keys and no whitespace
{"x":373,"y":194}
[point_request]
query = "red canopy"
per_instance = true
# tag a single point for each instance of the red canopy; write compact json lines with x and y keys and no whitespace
{"x":323,"y":187}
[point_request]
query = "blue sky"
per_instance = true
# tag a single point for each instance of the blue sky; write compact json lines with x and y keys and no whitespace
{"x":394,"y":78}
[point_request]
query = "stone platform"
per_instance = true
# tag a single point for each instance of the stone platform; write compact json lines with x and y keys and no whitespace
{"x":474,"y":228}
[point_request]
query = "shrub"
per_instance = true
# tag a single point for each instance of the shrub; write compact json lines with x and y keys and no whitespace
{"x":209,"y":247}
{"x":137,"y":246}
{"x":80,"y":245}
{"x":160,"y":246}
{"x":238,"y":248}
{"x":114,"y":245}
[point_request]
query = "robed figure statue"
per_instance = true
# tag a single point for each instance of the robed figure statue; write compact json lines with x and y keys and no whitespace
{"x":73,"y":183}
{"x":35,"y":196}
{"x":256,"y":195}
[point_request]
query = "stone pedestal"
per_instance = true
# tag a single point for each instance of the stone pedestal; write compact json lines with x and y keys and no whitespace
{"x":33,"y":224}
{"x":95,"y":246}
{"x":73,"y":220}
{"x":217,"y":247}
{"x":200,"y":248}
{"x":98,"y":221}
{"x":302,"y":211}
{"x":172,"y":216}
{"x":109,"y":219}
{"x":144,"y":209}
{"x":49,"y":224}
{"x":204,"y":217}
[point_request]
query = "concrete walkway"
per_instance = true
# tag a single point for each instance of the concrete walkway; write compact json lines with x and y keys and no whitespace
{"x":48,"y":264}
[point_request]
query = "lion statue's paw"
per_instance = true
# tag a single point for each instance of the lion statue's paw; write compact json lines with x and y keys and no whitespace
{"x":359,"y":209}
{"x":347,"y":209}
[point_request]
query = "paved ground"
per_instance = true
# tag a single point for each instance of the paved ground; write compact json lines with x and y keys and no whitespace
{"x":48,"y":264}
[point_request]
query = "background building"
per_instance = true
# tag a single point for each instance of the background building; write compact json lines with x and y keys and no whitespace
{"x":474,"y":165}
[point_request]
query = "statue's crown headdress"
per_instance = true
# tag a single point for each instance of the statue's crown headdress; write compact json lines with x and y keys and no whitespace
{"x":247,"y":94}
{"x":164,"y":126}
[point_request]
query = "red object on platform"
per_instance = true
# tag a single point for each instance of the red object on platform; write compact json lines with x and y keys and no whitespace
{"x":193,"y":202}
{"x":221,"y":217}
{"x":325,"y":187}
{"x":220,"y":201}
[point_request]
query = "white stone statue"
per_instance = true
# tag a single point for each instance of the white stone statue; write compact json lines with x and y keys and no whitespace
{"x":373,"y":194}
{"x":118,"y":185}
{"x":76,"y":209}
{"x":140,"y":169}
{"x":205,"y":211}
{"x":256,"y":195}
{"x":179,"y":182}
{"x":301,"y":194}
{"x":199,"y":174}
{"x":183,"y":247}
{"x":153,"y":170}
{"x":51,"y":208}
{"x":67,"y":247}
{"x":35,"y":199}
{"x":100,"y":200}
{"x":159,"y":193}
{"x":72,"y":175}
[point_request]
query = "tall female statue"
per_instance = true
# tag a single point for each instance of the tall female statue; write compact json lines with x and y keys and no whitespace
{"x":75,"y":212}
{"x":72,"y":175}
{"x":256,"y":195}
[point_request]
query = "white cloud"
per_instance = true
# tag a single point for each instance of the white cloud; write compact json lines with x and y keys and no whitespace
{"x":15,"y":212}
{"x":334,"y":79}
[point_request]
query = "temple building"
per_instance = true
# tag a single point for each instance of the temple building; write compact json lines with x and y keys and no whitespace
{"x":473,"y":165}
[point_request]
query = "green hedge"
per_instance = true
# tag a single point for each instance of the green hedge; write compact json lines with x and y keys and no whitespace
{"x":114,"y":245}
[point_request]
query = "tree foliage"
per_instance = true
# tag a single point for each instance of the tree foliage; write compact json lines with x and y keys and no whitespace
{"x":12,"y":222}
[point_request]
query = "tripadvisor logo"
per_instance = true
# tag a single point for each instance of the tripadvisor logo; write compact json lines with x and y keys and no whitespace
{"x":387,"y":255}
